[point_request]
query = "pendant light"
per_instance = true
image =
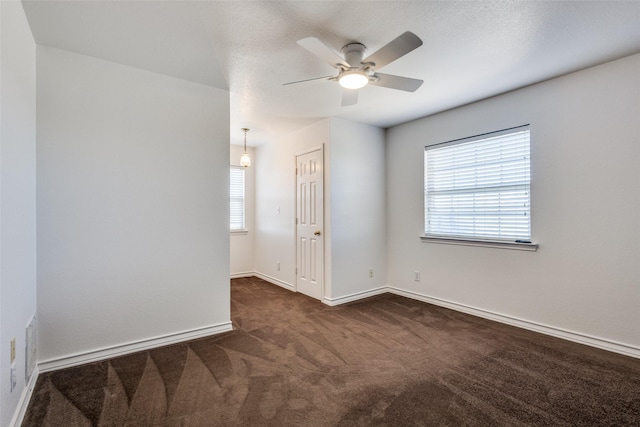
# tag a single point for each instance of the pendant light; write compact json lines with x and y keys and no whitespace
{"x":245,"y":160}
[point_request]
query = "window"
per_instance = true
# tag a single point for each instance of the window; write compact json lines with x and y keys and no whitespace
{"x":478,"y":188}
{"x":236,"y":198}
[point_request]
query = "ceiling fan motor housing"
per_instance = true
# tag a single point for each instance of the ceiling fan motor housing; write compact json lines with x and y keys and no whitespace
{"x":354,"y":53}
{"x":358,"y":74}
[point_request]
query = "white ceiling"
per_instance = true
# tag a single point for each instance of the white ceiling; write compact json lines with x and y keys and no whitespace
{"x":472,"y":50}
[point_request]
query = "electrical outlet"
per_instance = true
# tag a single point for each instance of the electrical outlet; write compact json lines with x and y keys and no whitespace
{"x":370,"y":273}
{"x":13,"y":350}
{"x":278,"y":266}
{"x":416,"y":276}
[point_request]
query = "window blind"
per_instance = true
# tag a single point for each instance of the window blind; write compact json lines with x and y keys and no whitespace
{"x":236,"y":198}
{"x":479,"y":187}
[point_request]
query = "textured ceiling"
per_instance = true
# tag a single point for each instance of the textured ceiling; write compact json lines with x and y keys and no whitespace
{"x":472,"y":50}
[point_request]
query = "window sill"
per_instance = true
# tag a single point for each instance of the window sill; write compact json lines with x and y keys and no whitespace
{"x":518,"y":246}
{"x":234,"y":232}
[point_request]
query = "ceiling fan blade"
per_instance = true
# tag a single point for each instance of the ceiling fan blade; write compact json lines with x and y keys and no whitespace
{"x":394,"y":49}
{"x":310,"y":81}
{"x":323,"y":51}
{"x":397,"y":82}
{"x":349,"y":97}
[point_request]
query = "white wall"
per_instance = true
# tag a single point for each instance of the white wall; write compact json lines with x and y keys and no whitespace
{"x":133,"y":213}
{"x":356,"y":210}
{"x":17,"y":196}
{"x":585,"y":277}
{"x":275,"y":188}
{"x":242,"y":243}
{"x":354,"y":206}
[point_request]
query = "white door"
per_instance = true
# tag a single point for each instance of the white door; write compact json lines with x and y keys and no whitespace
{"x":309,"y":224}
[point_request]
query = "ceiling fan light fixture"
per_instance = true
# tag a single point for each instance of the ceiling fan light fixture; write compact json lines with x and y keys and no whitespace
{"x":353,"y":79}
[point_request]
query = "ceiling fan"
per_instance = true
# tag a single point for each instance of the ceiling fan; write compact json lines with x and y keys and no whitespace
{"x":354,"y":72}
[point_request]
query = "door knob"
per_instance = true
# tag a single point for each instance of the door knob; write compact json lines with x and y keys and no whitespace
{"x":316,"y":233}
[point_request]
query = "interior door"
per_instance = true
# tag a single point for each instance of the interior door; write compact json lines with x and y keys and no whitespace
{"x":309,"y":224}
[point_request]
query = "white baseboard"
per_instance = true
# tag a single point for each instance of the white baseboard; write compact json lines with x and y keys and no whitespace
{"x":604,"y":344}
{"x":120,"y":350}
{"x":241,"y":275}
{"x":275,"y":281}
{"x":355,"y":297}
{"x":25,"y":397}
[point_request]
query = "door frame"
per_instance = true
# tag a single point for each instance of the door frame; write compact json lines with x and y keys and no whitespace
{"x":295,"y":219}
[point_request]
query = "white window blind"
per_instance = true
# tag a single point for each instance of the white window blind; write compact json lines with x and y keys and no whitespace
{"x":236,"y":198}
{"x":479,"y":187}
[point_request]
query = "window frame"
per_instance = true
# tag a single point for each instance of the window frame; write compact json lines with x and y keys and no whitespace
{"x":479,"y":240}
{"x":243,"y":229}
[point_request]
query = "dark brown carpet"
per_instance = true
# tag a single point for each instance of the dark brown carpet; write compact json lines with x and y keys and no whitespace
{"x":384,"y":361}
